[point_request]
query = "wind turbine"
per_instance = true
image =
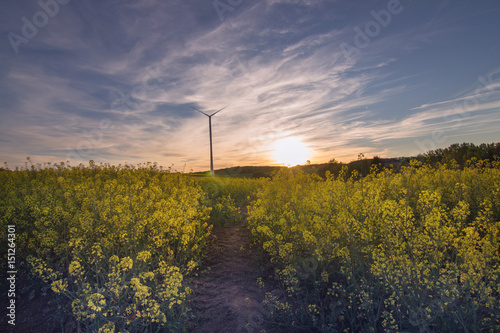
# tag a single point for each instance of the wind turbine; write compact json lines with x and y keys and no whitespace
{"x":210,"y":129}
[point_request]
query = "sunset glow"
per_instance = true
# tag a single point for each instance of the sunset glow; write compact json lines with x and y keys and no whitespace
{"x":290,"y":151}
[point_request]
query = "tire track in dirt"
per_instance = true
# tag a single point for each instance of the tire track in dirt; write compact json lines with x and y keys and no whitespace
{"x":226,"y":298}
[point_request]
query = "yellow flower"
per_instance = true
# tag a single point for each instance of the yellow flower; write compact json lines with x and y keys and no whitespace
{"x":191,"y":266}
{"x":96,"y":302}
{"x":59,"y":286}
{"x":109,"y":327}
{"x":144,"y":256}
{"x":145,"y":276}
{"x":126,"y":264}
{"x":75,"y":269}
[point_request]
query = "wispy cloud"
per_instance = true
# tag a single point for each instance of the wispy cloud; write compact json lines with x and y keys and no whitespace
{"x":277,"y":64}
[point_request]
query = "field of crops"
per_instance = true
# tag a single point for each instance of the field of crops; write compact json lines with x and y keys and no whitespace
{"x":414,"y":250}
{"x":114,"y":243}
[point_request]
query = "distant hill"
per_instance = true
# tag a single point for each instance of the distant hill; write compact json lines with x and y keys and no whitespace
{"x":460,"y":153}
{"x":320,"y":169}
{"x":243,"y":172}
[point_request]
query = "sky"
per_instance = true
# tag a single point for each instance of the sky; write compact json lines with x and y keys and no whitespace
{"x":118,"y":81}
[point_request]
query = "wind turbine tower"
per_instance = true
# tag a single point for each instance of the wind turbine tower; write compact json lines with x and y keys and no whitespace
{"x":210,"y":130}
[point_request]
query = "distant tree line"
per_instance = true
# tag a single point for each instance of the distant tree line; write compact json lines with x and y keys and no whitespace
{"x":457,"y":154}
{"x":361,"y":167}
{"x":461,"y":153}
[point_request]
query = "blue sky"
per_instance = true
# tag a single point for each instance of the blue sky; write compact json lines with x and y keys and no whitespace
{"x":115,"y":80}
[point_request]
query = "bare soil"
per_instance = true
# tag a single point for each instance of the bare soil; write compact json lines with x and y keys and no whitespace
{"x":226,"y":296}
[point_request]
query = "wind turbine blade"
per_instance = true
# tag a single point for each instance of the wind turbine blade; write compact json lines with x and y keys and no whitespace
{"x":213,"y":114}
{"x":192,"y":107}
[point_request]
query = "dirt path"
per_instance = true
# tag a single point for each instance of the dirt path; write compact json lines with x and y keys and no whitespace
{"x":226,"y":297}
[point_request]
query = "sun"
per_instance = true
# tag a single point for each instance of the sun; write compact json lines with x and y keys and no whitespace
{"x":290,"y":151}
